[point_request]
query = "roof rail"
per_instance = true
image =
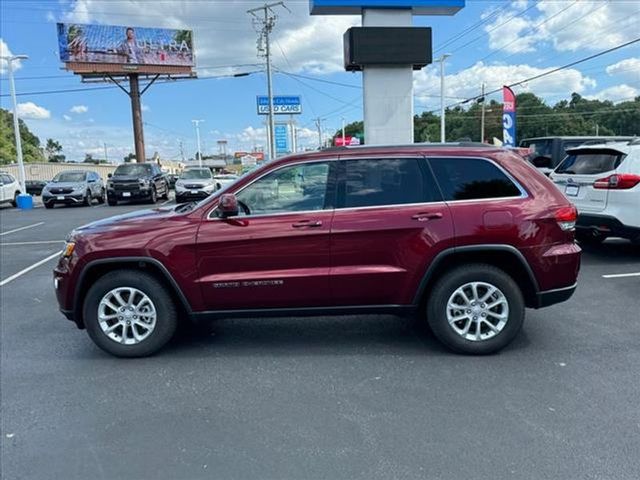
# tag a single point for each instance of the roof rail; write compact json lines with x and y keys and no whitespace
{"x":413,"y":145}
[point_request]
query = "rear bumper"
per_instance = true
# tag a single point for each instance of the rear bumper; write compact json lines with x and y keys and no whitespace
{"x":557,"y":295}
{"x":606,"y":225}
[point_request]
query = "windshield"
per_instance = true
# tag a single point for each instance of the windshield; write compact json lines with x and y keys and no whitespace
{"x":133,"y":169}
{"x":196,"y":174}
{"x":590,"y":162}
{"x":69,"y":177}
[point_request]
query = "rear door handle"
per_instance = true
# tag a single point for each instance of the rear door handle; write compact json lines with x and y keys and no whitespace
{"x":425,"y":217}
{"x":307,"y":224}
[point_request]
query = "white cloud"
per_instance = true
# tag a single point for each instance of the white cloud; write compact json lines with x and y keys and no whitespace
{"x":78,"y":109}
{"x":627,"y":69}
{"x":617,"y":93}
{"x":311,"y":44}
{"x":31,"y":111}
{"x":566,"y":25}
{"x":66,"y":117}
{"x":467,"y":83}
{"x":6,"y":52}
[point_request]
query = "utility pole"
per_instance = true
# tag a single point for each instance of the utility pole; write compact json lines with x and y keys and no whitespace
{"x":106,"y":157}
{"x":319,"y":127}
{"x":197,"y":124}
{"x":181,"y":151}
{"x":264,"y":25}
{"x":16,"y":124}
{"x":442,"y":113}
{"x":482,"y":116}
{"x":343,"y":134}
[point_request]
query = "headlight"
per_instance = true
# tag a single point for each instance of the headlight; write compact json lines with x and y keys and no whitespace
{"x":209,"y":188}
{"x":144,"y":182}
{"x":69,"y":247}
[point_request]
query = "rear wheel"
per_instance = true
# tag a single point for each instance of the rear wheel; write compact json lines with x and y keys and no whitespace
{"x":476,"y":309}
{"x":129,"y":314}
{"x":101,"y":197}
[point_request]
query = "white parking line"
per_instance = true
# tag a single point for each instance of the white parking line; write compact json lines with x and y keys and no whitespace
{"x":40,"y":242}
{"x":21,"y":228}
{"x":622,"y":275}
{"x":28,"y":269}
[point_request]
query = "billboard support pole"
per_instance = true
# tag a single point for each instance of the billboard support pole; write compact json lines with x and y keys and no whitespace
{"x":136,"y":113}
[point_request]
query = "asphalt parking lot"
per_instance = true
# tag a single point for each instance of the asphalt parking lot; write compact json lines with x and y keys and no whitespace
{"x":333,"y":397}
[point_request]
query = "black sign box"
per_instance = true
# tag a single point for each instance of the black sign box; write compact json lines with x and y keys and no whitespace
{"x":387,"y":46}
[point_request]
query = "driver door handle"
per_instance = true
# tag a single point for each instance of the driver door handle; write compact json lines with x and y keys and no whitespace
{"x":307,"y":224}
{"x":424,"y":217}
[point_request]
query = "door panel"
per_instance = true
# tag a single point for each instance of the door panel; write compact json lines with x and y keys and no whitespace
{"x":391,"y":224}
{"x":265,"y":262}
{"x":276,"y":253}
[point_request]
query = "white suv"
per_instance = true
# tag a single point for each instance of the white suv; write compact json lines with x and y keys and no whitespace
{"x":603,"y":182}
{"x":9,"y":189}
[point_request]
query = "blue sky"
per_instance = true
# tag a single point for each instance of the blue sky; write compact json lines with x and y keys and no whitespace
{"x":498,"y":42}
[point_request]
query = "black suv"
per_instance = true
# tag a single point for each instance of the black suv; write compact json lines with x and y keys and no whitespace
{"x":137,"y":181}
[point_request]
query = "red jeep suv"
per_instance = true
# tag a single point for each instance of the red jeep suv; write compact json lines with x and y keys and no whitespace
{"x":466,"y":235}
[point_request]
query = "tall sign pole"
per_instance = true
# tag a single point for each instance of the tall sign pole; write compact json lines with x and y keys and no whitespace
{"x":16,"y":123}
{"x":136,"y":113}
{"x":265,"y":25}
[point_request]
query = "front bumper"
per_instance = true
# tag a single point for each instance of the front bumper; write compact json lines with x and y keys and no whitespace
{"x":606,"y":225}
{"x":128,"y":194}
{"x":66,"y":198}
{"x":188,"y":195}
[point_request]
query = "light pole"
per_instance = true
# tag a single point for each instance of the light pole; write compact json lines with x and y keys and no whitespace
{"x":343,"y":135}
{"x":16,"y":125}
{"x":442,"y":129}
{"x":197,"y":124}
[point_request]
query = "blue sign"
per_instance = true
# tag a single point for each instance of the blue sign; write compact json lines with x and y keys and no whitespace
{"x":508,"y":117}
{"x":282,"y":138}
{"x":282,"y":105}
{"x":355,"y":7}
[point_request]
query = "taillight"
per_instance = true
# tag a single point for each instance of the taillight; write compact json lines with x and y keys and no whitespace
{"x":566,"y":217}
{"x":619,"y":181}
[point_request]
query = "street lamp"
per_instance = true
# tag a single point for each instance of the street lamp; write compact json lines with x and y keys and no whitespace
{"x":16,"y":125}
{"x":197,"y":124}
{"x":441,"y":60}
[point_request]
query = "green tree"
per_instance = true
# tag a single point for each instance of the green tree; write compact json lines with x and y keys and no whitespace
{"x":31,"y":151}
{"x":130,"y":158}
{"x":52,"y":151}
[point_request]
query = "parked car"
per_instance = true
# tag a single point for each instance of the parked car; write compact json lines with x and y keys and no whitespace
{"x":9,"y":189}
{"x":137,"y":181}
{"x":225,"y":179}
{"x":603,"y":182}
{"x":468,"y":237}
{"x":73,"y":187}
{"x":172,"y":178}
{"x":546,"y":153}
{"x":195,"y":183}
{"x":35,"y":187}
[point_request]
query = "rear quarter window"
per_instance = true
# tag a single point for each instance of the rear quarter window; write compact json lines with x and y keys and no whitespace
{"x":472,"y":179}
{"x":590,"y":162}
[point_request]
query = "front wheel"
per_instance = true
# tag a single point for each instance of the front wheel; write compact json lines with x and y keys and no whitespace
{"x":129,"y":313}
{"x":49,"y":205}
{"x":153,"y":197}
{"x":165,"y":196}
{"x":476,"y":309}
{"x":87,"y":198}
{"x":112,"y":202}
{"x":14,"y":202}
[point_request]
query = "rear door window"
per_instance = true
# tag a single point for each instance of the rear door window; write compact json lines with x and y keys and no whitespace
{"x":590,"y":162}
{"x":472,"y":179}
{"x":387,"y":181}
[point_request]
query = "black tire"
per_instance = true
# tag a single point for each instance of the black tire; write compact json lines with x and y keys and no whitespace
{"x":14,"y":202}
{"x":165,"y":196}
{"x":112,"y":202}
{"x":101,"y":197}
{"x":449,"y":283}
{"x":49,"y":204}
{"x":153,"y":197}
{"x":87,"y":198}
{"x":179,"y":200}
{"x":166,"y":322}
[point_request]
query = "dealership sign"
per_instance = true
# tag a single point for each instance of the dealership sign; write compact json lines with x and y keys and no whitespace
{"x":282,"y":105}
{"x":355,"y":7}
{"x":122,"y":45}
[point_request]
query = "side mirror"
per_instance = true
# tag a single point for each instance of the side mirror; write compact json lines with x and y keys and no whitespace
{"x":109,"y":175}
{"x":228,"y":206}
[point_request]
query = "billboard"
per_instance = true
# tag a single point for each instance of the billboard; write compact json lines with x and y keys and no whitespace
{"x":282,"y":105}
{"x":508,"y":118}
{"x":114,"y":49}
{"x":355,"y":7}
